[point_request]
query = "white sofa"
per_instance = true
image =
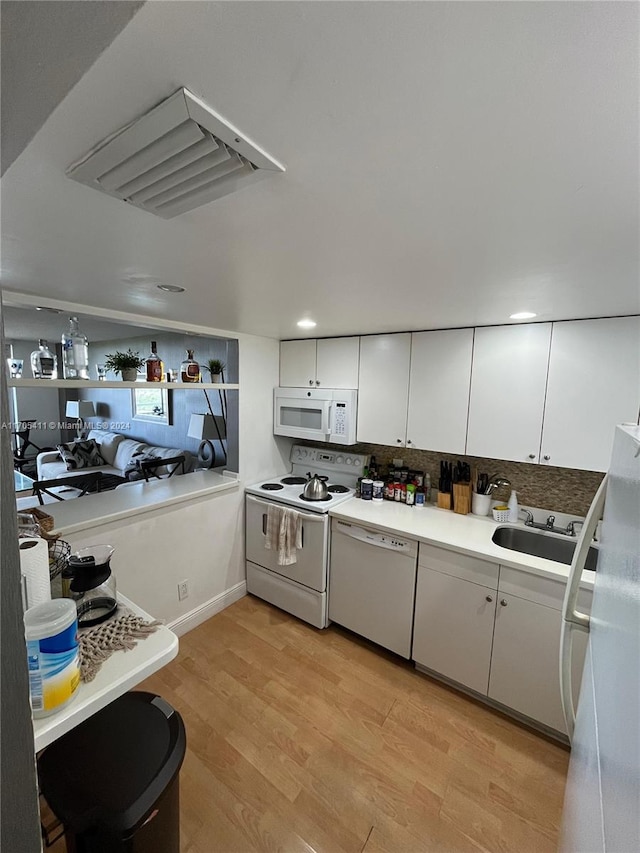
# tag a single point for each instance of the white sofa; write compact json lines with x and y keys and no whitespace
{"x":117,"y":451}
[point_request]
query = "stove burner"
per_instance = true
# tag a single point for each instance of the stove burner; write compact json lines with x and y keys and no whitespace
{"x":271,"y":487}
{"x":293,"y":481}
{"x":338,"y":490}
{"x":314,"y":500}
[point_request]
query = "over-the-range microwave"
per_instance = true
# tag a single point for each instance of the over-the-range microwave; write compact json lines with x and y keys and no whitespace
{"x":319,"y":414}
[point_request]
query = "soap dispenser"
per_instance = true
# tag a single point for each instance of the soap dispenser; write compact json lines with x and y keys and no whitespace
{"x":513,"y":507}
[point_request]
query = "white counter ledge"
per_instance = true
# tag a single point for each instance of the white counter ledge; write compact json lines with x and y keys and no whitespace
{"x":137,"y":498}
{"x":119,"y":673}
{"x":467,"y":534}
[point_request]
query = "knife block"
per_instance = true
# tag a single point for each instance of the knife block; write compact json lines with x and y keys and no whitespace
{"x":462,"y":498}
{"x":444,"y":500}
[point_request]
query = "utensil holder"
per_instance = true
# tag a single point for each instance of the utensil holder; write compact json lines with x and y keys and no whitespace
{"x":444,"y":500}
{"x":481,"y":504}
{"x":461,"y":498}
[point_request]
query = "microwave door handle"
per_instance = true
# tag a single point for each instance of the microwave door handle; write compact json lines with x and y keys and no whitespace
{"x":327,"y":418}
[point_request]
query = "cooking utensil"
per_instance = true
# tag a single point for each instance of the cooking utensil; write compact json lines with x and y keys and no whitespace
{"x":316,"y":488}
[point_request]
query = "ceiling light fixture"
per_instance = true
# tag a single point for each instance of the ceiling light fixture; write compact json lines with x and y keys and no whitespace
{"x":523,"y":315}
{"x":170,"y":288}
{"x":307,"y":324}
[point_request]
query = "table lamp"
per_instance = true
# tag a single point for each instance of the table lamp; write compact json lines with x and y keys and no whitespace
{"x":208,"y":428}
{"x":80,"y":409}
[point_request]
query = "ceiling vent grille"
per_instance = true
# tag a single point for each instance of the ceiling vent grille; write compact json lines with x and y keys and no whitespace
{"x":176,"y":157}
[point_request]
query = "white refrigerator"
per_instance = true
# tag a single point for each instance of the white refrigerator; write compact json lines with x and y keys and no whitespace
{"x":602,"y":799}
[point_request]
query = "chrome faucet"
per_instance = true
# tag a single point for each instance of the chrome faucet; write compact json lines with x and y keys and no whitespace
{"x":571,"y":527}
{"x":549,"y":524}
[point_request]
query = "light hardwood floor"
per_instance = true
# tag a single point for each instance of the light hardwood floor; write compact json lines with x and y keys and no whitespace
{"x":307,"y":740}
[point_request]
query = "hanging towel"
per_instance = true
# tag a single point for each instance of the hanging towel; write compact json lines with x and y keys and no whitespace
{"x":284,"y":533}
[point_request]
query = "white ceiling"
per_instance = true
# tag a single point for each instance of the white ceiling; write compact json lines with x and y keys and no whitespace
{"x":448,"y":164}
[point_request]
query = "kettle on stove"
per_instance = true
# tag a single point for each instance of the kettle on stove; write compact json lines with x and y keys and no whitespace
{"x":93,"y":586}
{"x":316,"y":488}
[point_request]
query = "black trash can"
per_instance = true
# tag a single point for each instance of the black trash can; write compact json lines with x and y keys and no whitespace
{"x":113,"y":781}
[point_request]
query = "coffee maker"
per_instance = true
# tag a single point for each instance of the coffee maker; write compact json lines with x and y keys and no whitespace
{"x":92,"y":585}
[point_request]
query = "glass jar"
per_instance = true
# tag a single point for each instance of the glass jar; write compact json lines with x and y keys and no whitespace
{"x":190,"y":369}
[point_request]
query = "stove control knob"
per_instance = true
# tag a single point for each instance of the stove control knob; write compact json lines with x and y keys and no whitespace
{"x":340,"y":460}
{"x":349,"y":460}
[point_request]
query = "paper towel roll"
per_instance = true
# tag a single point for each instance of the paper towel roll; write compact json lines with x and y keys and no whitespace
{"x":34,"y":566}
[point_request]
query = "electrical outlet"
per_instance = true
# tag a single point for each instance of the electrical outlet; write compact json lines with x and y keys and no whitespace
{"x":183,"y":590}
{"x":398,"y":463}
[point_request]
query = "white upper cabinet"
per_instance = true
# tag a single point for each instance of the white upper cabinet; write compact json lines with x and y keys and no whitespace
{"x":324,"y":363}
{"x":594,"y":384}
{"x":439,"y":390}
{"x":383,"y":389}
{"x":507,"y":391}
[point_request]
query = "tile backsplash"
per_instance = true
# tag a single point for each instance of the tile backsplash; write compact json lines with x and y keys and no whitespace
{"x":561,"y":489}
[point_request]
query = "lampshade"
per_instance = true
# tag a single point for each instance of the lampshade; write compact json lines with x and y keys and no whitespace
{"x":204,"y":427}
{"x":80,"y":409}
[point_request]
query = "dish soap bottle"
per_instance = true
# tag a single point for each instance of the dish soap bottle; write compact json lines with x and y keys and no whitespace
{"x":190,"y":369}
{"x":44,"y":364}
{"x":513,"y":507}
{"x":75,"y":352}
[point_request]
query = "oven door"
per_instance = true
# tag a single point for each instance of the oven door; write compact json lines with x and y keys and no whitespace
{"x":301,"y":417}
{"x":310,"y":566}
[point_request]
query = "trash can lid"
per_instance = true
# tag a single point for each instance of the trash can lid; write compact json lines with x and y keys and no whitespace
{"x":111,"y":769}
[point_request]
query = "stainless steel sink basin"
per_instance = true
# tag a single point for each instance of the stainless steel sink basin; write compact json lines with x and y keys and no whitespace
{"x":540,"y":544}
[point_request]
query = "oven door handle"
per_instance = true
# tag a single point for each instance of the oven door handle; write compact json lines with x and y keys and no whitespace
{"x":316,"y":517}
{"x":264,"y":528}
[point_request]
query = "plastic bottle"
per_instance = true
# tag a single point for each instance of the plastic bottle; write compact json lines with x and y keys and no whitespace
{"x":513,"y":507}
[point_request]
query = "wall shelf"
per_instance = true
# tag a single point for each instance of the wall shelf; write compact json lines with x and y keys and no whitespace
{"x":94,"y":383}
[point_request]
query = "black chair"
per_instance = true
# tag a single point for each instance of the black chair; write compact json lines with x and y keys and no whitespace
{"x":87,"y":482}
{"x":149,"y":467}
{"x":22,"y":444}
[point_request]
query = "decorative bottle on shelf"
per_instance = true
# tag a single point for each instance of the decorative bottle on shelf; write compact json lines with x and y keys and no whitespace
{"x":155,"y":365}
{"x":75,"y":352}
{"x":190,"y":369}
{"x":44,"y":364}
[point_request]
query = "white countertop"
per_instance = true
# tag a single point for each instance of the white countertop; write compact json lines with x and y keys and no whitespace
{"x":467,"y":534}
{"x":122,"y":671}
{"x":137,"y":498}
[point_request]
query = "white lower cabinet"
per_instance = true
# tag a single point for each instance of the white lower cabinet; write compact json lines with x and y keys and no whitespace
{"x":526,"y":648}
{"x":453,"y":628}
{"x":501,"y":640}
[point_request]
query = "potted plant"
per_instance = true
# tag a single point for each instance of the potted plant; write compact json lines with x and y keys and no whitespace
{"x":125,"y":363}
{"x":216,"y":368}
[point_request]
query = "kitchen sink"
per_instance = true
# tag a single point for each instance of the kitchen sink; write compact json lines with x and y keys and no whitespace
{"x":541,"y":544}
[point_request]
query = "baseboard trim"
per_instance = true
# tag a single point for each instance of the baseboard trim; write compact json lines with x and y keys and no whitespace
{"x":184,"y":624}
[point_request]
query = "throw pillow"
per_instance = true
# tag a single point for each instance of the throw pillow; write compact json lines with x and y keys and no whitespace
{"x":81,"y":454}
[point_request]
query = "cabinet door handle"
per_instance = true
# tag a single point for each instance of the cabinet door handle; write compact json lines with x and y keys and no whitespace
{"x":503,"y":602}
{"x":311,"y":382}
{"x":546,"y":458}
{"x":532,"y":456}
{"x":489,"y":599}
{"x":409,"y":441}
{"x":317,"y":381}
{"x":399,"y":440}
{"x":264,"y":523}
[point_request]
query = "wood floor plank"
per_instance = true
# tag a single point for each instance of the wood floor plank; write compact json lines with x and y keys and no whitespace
{"x":309,"y":741}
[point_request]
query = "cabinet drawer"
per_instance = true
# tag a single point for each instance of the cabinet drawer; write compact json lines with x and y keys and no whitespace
{"x":545,"y":591}
{"x":459,"y":565}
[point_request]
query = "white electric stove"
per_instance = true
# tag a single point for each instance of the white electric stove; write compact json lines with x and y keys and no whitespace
{"x":300,"y":588}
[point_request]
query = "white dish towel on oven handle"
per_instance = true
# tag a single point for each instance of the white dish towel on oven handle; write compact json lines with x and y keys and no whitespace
{"x":284,"y":533}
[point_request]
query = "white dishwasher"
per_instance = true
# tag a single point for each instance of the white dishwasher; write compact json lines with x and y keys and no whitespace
{"x":372,"y":584}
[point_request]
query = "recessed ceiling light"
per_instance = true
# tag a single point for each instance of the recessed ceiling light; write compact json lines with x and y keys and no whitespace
{"x":170,"y":288}
{"x":522,"y":315}
{"x":307,"y":324}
